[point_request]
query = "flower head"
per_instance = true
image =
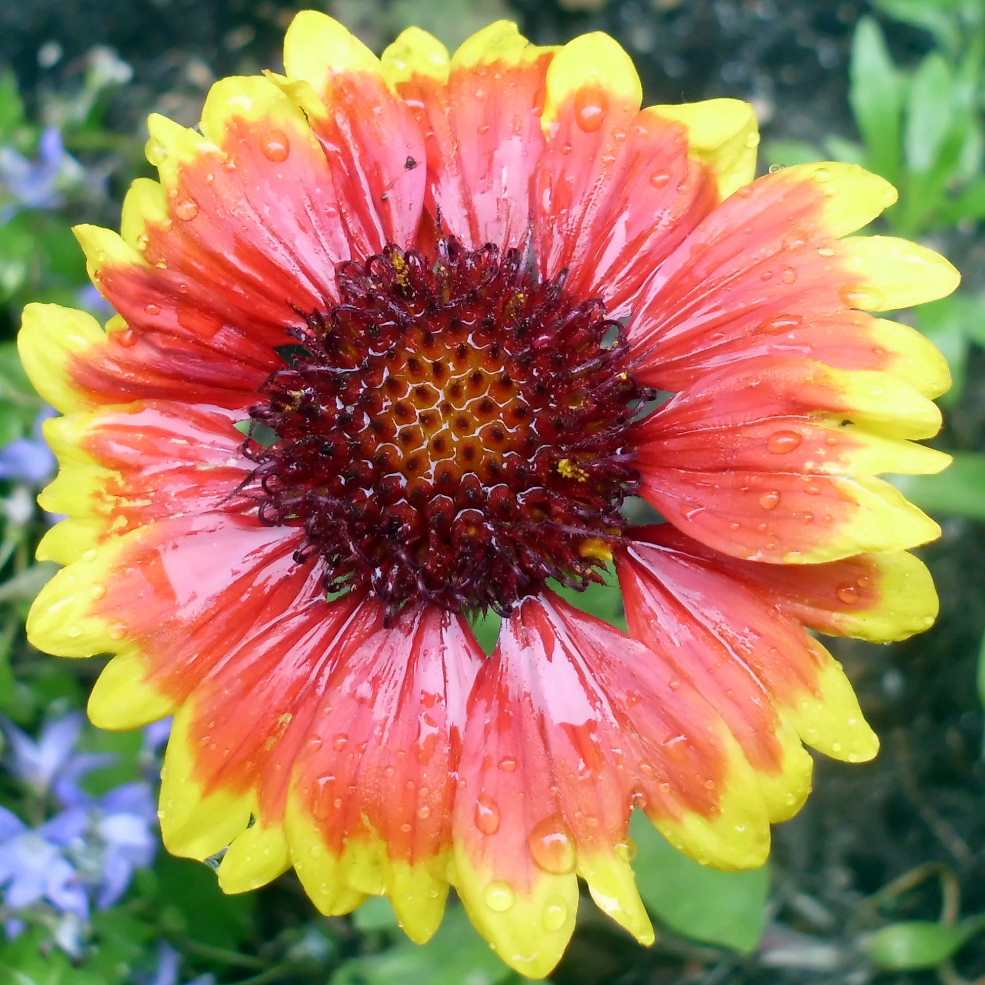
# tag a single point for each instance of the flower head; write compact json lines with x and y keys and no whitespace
{"x":396,"y":339}
{"x":29,"y":460}
{"x":37,"y":184}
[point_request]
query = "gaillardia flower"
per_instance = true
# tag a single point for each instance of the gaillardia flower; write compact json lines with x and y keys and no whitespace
{"x":397,"y":338}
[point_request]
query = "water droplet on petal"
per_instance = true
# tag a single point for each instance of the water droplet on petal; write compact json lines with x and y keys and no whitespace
{"x":507,"y":764}
{"x":186,"y":209}
{"x":275,"y":146}
{"x":659,"y":178}
{"x":499,"y":897}
{"x":752,"y":139}
{"x":847,"y":594}
{"x":155,"y":152}
{"x":340,"y":742}
{"x":591,"y":106}
{"x":627,"y":850}
{"x":552,"y":846}
{"x":783,"y":442}
{"x":865,"y":298}
{"x":555,"y":915}
{"x":780,"y":324}
{"x":822,"y":174}
{"x":770,"y":500}
{"x":486,"y":816}
{"x":152,"y":309}
{"x":789,"y":275}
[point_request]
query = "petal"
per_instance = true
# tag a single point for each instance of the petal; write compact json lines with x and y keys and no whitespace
{"x":612,"y":201}
{"x":769,"y":262}
{"x":754,"y":663}
{"x":895,"y":273}
{"x":371,"y":143}
{"x":764,"y":461}
{"x":372,"y":787}
{"x":157,"y":599}
{"x":124,"y":467}
{"x":50,"y":339}
{"x":570,"y":725}
{"x":615,"y":191}
{"x":480,"y":115}
{"x":723,"y":133}
{"x":877,"y":597}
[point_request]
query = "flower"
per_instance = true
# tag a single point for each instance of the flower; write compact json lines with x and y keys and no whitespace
{"x":392,"y":340}
{"x":51,"y":760}
{"x":33,"y":868}
{"x":87,"y":853}
{"x":29,"y":460}
{"x":26,"y":184}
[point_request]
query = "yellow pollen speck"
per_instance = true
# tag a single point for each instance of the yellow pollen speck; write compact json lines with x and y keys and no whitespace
{"x":571,"y":470}
{"x":597,"y":549}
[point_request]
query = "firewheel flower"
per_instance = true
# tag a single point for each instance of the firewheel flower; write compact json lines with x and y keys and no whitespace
{"x":396,"y":340}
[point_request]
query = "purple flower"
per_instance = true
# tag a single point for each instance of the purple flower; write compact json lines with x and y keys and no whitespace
{"x":36,"y":184}
{"x":122,"y":827}
{"x":168,"y":967}
{"x":39,"y":763}
{"x":29,"y":460}
{"x":34,"y":868}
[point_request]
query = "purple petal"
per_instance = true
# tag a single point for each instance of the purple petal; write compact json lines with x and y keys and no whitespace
{"x":168,"y":962}
{"x":66,"y":827}
{"x":27,"y":461}
{"x":10,"y":824}
{"x":116,"y":877}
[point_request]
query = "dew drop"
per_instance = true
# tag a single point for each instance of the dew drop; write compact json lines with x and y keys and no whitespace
{"x":186,"y":209}
{"x":848,"y":594}
{"x":783,"y":442}
{"x":770,"y":500}
{"x":275,"y":146}
{"x":155,"y":152}
{"x":552,"y":846}
{"x":424,"y":812}
{"x":486,"y":816}
{"x":340,"y":742}
{"x":752,"y":139}
{"x":822,"y":174}
{"x":825,"y":251}
{"x":789,"y":275}
{"x":126,"y":338}
{"x":507,"y":764}
{"x":627,"y":850}
{"x":780,"y":324}
{"x":590,"y":109}
{"x":499,"y":897}
{"x":555,"y":915}
{"x":659,"y":178}
{"x":152,"y":309}
{"x":866,"y":298}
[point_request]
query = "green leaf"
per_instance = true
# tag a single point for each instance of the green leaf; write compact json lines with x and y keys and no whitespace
{"x":456,"y":954}
{"x":374,"y":915}
{"x":929,"y":112}
{"x":919,"y":943}
{"x":957,"y":491}
{"x":876,"y":94}
{"x":723,"y":908}
{"x":11,"y":106}
{"x":194,"y":906}
{"x":784,"y":153}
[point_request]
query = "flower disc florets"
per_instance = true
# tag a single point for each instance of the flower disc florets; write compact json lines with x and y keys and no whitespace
{"x":452,"y":431}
